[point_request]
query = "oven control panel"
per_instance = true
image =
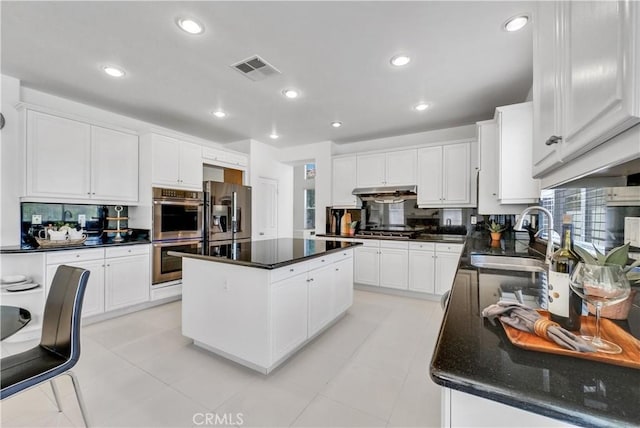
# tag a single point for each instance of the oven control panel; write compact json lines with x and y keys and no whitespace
{"x":159,"y":193}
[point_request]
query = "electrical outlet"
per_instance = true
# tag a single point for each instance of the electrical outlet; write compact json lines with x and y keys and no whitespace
{"x":36,"y":219}
{"x":474,"y":219}
{"x":82,"y":220}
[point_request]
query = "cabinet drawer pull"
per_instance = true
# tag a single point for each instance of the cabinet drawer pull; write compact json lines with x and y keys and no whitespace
{"x":77,"y":255}
{"x":554,"y":139}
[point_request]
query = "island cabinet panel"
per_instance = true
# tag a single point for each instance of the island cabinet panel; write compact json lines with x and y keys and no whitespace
{"x":260,"y":317}
{"x":225,"y":310}
{"x":321,"y":298}
{"x":343,"y":283}
{"x":289,"y":314}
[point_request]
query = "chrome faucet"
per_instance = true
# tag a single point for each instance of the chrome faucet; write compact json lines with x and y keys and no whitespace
{"x":520,"y":222}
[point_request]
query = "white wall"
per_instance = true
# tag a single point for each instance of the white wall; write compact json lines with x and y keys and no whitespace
{"x":463,"y":133}
{"x":12,"y":163}
{"x":265,"y":162}
{"x":320,"y":153}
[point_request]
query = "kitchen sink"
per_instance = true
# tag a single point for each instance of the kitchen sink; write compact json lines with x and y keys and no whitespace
{"x":522,"y":264}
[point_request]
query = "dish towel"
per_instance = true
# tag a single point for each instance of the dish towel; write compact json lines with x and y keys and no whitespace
{"x":526,"y":319}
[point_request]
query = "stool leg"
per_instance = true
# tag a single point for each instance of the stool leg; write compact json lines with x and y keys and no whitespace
{"x":76,"y":387}
{"x":56,"y":394}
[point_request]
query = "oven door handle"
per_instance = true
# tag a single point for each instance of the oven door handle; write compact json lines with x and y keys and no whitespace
{"x":176,"y":244}
{"x":191,"y":204}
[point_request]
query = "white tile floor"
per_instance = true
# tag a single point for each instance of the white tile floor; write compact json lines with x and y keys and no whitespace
{"x":368,"y":370}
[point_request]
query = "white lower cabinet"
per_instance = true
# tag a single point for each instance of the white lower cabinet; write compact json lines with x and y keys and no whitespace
{"x":289,"y":314}
{"x":393,"y":267}
{"x":343,"y":285}
{"x":126,"y":280}
{"x":433,"y":266}
{"x":119,"y":276}
{"x":366,"y":270}
{"x":460,"y":409}
{"x":305,"y":297}
{"x":446,"y":266}
{"x":382,"y":263}
{"x":93,"y":303}
{"x":321,"y":298}
{"x":422,"y":267}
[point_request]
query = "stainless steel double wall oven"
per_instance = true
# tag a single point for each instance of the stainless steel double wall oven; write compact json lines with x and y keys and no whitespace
{"x":178,"y":219}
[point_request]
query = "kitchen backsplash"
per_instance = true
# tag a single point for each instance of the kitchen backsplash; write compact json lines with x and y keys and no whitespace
{"x":60,"y":214}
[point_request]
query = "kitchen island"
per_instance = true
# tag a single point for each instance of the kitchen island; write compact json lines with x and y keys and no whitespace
{"x":258,"y":302}
{"x":490,"y":382}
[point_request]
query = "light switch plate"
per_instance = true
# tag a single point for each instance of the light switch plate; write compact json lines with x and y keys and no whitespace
{"x":36,"y":219}
{"x":474,"y":219}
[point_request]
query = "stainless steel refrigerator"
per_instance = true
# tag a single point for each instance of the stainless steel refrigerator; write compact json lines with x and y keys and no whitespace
{"x":227,"y":211}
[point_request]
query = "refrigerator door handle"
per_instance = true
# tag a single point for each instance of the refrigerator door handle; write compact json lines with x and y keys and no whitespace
{"x":234,"y":212}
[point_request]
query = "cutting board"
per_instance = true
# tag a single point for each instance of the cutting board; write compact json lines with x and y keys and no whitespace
{"x":630,"y":356}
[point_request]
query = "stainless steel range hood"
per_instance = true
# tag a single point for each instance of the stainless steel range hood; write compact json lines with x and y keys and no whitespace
{"x":386,"y":195}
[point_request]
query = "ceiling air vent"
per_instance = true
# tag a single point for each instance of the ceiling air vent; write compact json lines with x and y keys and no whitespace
{"x":255,"y":68}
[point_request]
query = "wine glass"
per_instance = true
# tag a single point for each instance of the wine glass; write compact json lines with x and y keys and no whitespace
{"x":600,"y":285}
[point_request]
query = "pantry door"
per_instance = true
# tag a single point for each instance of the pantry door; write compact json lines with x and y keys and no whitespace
{"x":266,"y":209}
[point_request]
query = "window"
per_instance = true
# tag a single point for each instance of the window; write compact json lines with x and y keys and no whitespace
{"x":309,"y":208}
{"x":588,"y":209}
{"x":309,"y":171}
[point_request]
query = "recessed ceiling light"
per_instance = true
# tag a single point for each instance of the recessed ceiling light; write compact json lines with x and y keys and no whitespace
{"x":290,"y":93}
{"x":274,"y":136}
{"x":113,"y":71}
{"x":336,"y":124}
{"x":421,"y":107}
{"x":516,"y":23}
{"x":400,"y":60}
{"x":219,"y":114}
{"x":190,"y":26}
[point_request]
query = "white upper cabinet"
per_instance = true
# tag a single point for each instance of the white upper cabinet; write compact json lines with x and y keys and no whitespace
{"x":445,"y":176}
{"x":601,"y":72}
{"x":515,"y":182}
{"x":386,"y":169}
{"x":224,"y":158}
{"x":586,"y":52}
{"x":371,"y":170}
{"x":58,"y":156}
{"x":114,"y":162}
{"x":74,"y":160}
{"x":401,"y":168}
{"x":344,"y":180}
{"x":176,"y":163}
{"x":430,"y":169}
{"x":546,"y":89}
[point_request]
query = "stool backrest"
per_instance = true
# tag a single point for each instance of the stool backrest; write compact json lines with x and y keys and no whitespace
{"x":62,"y":312}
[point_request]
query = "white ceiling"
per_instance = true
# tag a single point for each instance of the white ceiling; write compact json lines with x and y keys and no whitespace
{"x":336,"y":53}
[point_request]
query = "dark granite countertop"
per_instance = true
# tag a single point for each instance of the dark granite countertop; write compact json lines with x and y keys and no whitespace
{"x":475,"y":357}
{"x":425,"y":237}
{"x":268,"y":254}
{"x":26,"y":249}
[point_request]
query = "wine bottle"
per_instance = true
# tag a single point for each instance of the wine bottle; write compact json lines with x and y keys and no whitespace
{"x":565,"y":306}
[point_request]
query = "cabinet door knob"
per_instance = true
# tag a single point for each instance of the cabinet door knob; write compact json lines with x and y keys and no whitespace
{"x":290,"y":270}
{"x":554,"y":139}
